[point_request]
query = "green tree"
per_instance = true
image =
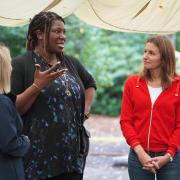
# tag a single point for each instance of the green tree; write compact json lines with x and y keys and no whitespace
{"x":109,"y":56}
{"x":14,"y":38}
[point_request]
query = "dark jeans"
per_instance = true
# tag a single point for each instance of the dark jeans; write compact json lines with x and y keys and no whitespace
{"x":67,"y":176}
{"x":171,"y":171}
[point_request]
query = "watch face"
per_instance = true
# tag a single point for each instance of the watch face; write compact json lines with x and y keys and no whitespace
{"x":170,"y":157}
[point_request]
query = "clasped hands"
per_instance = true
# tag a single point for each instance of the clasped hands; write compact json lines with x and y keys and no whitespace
{"x":153,"y":164}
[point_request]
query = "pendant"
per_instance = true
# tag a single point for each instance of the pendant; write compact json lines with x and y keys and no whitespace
{"x":68,"y":93}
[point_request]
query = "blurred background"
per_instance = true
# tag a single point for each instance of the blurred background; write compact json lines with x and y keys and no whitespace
{"x":110,"y":57}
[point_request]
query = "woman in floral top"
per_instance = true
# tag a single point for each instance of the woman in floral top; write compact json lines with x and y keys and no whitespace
{"x":54,"y":93}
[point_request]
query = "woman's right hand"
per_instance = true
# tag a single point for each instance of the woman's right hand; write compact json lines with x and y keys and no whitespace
{"x":147,"y":163}
{"x":42,"y":79}
{"x":145,"y":159}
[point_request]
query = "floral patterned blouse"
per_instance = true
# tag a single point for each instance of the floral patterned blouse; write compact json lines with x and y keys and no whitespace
{"x":53,"y":127}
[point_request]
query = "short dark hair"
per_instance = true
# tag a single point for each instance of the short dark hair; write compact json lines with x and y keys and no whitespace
{"x":41,"y":21}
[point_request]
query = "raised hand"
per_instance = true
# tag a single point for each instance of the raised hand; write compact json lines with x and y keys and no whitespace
{"x":42,"y":79}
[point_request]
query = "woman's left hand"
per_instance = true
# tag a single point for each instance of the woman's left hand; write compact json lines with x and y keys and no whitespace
{"x":159,"y":161}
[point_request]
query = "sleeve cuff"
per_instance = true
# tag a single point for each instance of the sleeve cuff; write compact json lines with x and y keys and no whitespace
{"x":134,"y":144}
{"x":171,"y":151}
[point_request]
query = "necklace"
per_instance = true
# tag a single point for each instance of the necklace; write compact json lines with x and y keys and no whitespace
{"x":67,"y":91}
{"x":65,"y":75}
{"x":63,"y":65}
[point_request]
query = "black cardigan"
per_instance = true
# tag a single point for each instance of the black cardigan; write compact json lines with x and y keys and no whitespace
{"x":24,"y":65}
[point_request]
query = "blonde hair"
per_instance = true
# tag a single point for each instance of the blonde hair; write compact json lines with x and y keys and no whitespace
{"x":5,"y":69}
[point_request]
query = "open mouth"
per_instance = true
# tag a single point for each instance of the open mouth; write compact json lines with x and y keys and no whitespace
{"x":61,"y":45}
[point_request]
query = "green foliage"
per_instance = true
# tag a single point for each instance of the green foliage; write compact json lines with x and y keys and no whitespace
{"x":14,"y":38}
{"x":109,"y":56}
{"x":178,"y":41}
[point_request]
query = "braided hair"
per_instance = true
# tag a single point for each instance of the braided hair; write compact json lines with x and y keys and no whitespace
{"x":41,"y":21}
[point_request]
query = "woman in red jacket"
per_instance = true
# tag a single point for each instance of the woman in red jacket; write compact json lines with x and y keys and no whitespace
{"x":150,"y":116}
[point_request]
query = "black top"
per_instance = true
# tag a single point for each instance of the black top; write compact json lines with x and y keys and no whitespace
{"x":52,"y":122}
{"x":11,"y":96}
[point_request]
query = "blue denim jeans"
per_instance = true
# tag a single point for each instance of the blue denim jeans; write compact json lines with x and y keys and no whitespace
{"x":171,"y":171}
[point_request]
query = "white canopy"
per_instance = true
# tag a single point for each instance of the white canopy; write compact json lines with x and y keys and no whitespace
{"x":19,"y":12}
{"x":149,"y":16}
{"x":146,"y":16}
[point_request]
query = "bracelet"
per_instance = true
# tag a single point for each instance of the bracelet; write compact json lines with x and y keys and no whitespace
{"x":170,"y":157}
{"x":37,"y":87}
{"x":86,"y":116}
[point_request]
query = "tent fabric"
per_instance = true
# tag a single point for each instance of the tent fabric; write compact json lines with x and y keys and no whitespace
{"x":144,"y":16}
{"x":66,"y":7}
{"x":19,"y":12}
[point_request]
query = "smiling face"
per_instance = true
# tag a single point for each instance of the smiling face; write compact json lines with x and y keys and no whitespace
{"x":152,"y":57}
{"x":57,"y":37}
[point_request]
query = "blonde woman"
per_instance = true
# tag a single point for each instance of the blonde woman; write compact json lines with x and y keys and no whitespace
{"x":13,"y":144}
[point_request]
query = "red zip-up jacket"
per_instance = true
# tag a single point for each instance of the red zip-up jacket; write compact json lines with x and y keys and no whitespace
{"x":155,"y":127}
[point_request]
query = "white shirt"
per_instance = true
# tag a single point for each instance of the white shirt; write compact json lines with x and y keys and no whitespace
{"x":154,"y":93}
